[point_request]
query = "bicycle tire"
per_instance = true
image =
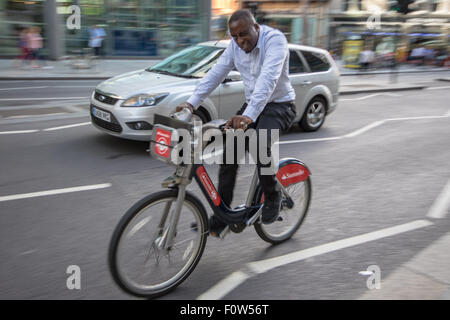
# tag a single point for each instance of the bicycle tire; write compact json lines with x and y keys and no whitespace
{"x":263,"y":230}
{"x":127,"y":220}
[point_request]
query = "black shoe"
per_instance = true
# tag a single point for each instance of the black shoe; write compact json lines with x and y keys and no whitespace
{"x":271,"y":209}
{"x":216,"y":226}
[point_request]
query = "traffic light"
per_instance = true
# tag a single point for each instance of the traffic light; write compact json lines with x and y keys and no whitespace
{"x":401,"y":6}
{"x":404,"y":6}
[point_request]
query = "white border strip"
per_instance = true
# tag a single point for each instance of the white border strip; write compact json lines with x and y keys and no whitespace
{"x":68,"y":126}
{"x":19,"y":131}
{"x":441,"y":205}
{"x":53,"y":192}
{"x":228,"y":284}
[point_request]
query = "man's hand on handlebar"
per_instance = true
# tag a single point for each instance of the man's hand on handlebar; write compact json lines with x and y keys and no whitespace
{"x":185,"y":105}
{"x":238,"y":122}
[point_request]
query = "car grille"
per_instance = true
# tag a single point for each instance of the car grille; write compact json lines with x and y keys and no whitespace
{"x":111,"y":126}
{"x":106,"y":99}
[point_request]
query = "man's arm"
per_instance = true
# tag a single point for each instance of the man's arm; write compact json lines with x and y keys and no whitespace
{"x":271,"y":70}
{"x":213,"y":78}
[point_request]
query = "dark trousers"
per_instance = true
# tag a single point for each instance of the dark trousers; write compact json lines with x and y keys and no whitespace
{"x":274,"y":116}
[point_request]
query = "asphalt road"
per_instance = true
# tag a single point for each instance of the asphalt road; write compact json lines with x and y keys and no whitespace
{"x":385,"y":166}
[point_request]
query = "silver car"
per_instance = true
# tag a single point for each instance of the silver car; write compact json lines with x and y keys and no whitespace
{"x":124,"y":106}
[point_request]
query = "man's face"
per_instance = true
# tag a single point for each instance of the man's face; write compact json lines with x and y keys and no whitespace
{"x":245,"y":34}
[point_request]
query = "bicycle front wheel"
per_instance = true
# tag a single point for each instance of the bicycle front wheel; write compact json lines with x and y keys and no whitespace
{"x":138,"y":261}
{"x":290,"y":219}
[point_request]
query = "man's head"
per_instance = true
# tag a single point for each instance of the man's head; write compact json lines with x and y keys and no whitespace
{"x":244,"y":29}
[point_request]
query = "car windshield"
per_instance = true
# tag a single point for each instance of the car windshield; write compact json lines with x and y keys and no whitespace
{"x":193,"y":62}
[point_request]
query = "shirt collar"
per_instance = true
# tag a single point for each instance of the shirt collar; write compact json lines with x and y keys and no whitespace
{"x":259,"y":43}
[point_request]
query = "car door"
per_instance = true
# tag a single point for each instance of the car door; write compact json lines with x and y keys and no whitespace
{"x":232,"y":97}
{"x":300,"y":80}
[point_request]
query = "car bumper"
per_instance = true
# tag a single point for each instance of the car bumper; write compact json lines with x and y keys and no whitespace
{"x":121,"y":120}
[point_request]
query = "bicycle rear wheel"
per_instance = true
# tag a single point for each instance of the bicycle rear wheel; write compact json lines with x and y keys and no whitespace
{"x":138,"y":263}
{"x":290,"y":219}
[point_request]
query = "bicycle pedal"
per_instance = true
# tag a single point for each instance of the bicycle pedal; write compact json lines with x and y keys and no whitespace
{"x":224,"y":232}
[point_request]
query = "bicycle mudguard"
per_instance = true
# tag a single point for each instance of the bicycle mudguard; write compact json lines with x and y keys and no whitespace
{"x":291,"y":170}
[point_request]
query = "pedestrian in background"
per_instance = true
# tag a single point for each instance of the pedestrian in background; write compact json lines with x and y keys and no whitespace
{"x":366,"y":58}
{"x":35,"y":44}
{"x":96,"y":36}
{"x":23,"y":48}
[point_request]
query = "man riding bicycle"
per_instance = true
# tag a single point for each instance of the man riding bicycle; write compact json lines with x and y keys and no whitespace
{"x":261,"y":55}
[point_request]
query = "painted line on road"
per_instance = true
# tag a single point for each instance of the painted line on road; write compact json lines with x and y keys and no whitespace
{"x":363,"y":129}
{"x":441,"y":205}
{"x":22,"y":88}
{"x":35,"y":115}
{"x":53,"y":192}
{"x":35,"y":99}
{"x":437,"y":88}
{"x":251,"y":269}
{"x":18,"y":131}
{"x":68,"y":126}
{"x":372,"y":95}
{"x":47,"y":129}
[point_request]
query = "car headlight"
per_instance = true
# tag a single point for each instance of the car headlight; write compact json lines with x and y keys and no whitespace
{"x":144,"y":100}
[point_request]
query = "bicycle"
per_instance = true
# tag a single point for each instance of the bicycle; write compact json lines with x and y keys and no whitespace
{"x":160,"y":239}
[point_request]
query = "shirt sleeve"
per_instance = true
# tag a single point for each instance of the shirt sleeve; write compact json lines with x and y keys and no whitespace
{"x":275,"y":56}
{"x":213,"y":78}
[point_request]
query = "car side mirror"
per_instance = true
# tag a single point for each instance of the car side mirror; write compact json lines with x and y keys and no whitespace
{"x":232,"y":76}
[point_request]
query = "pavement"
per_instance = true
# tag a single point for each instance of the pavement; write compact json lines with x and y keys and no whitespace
{"x":425,"y":276}
{"x":106,"y":68}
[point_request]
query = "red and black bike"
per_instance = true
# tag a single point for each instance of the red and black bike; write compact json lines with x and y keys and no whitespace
{"x":161,"y":238}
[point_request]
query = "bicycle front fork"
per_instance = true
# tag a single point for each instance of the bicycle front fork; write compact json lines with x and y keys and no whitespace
{"x":169,"y":233}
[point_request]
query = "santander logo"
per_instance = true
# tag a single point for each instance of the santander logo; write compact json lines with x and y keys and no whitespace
{"x":292,"y":175}
{"x":207,"y":184}
{"x":163,"y":139}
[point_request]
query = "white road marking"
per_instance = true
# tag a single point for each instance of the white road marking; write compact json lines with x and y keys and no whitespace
{"x":36,"y":99}
{"x":437,"y":88}
{"x":27,"y":252}
{"x":23,"y":88}
{"x":18,"y":131}
{"x":364,"y":129}
{"x":68,"y":126}
{"x":53,"y":192}
{"x":441,"y":205}
{"x":418,"y":118}
{"x":225,"y":286}
{"x":93,"y":87}
{"x":35,"y":115}
{"x":372,"y":95}
{"x":308,"y":140}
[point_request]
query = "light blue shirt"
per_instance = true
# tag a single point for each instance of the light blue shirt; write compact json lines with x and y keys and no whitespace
{"x":264,"y":71}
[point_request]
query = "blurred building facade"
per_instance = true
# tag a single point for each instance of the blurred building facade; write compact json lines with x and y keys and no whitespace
{"x":380,"y":26}
{"x":132,"y":27}
{"x":302,"y":21}
{"x":161,"y":27}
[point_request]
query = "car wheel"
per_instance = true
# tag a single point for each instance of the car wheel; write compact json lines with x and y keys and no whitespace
{"x":199,"y":115}
{"x":314,"y":115}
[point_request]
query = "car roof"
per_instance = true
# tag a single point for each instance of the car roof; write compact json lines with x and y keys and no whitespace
{"x":225,"y":43}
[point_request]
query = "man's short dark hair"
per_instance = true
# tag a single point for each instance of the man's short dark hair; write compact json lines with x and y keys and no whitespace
{"x":242,"y":14}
